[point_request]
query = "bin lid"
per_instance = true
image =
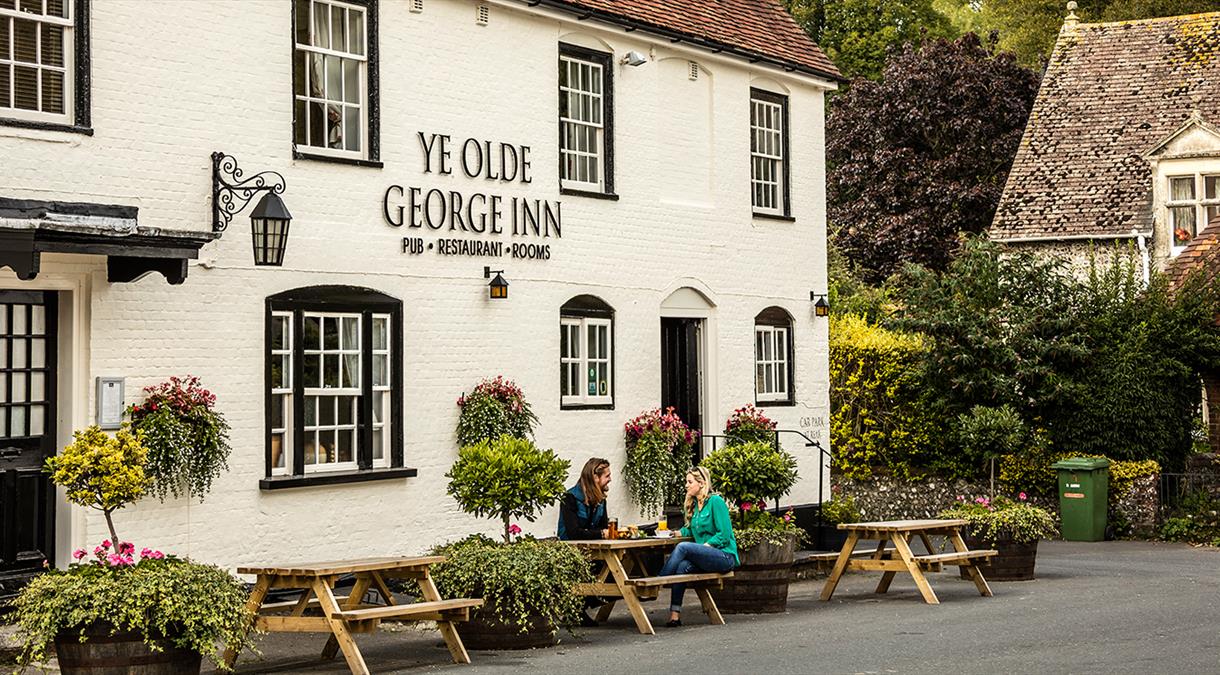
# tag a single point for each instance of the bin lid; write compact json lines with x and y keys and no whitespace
{"x":1082,"y":463}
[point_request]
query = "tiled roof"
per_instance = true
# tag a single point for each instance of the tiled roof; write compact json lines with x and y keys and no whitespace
{"x":1111,"y":93}
{"x":750,"y":28}
{"x":1203,"y":252}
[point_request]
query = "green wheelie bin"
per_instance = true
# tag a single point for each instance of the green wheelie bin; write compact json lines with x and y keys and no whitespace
{"x":1084,"y":484}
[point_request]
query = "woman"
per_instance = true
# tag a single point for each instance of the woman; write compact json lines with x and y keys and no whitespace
{"x":715,"y":547}
{"x":582,"y":511}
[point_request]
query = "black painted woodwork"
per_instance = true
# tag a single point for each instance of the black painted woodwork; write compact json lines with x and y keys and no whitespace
{"x":82,"y":86}
{"x":777,"y":316}
{"x":348,"y":299}
{"x":782,"y":101}
{"x":591,"y":306}
{"x":681,"y":371}
{"x":27,"y":498}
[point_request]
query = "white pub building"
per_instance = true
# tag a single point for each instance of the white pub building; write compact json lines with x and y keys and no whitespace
{"x":647,"y":176}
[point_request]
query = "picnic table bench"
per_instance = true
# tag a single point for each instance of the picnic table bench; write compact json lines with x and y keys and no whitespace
{"x":344,"y":615}
{"x":622,"y":557}
{"x":900,"y":533}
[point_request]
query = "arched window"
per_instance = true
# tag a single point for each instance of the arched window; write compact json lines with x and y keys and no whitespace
{"x":586,"y":353}
{"x":773,"y":378}
{"x":333,"y":386}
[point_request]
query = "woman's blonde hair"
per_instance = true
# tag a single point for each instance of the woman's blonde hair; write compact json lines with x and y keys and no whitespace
{"x":704,"y":478}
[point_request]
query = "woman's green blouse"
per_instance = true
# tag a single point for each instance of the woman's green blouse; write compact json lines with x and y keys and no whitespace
{"x":711,"y":525}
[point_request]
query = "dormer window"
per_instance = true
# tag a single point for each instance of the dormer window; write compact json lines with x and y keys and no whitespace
{"x":1194,"y":200}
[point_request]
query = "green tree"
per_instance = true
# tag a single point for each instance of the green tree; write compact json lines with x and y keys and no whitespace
{"x":857,"y":34}
{"x":1028,"y":28}
{"x":506,"y":478}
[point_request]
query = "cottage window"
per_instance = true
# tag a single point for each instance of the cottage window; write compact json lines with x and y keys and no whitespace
{"x":585,"y":120}
{"x":335,"y":49}
{"x":586,"y":353}
{"x":332,"y":369}
{"x":1194,"y":201}
{"x":769,"y":153}
{"x":41,"y":52}
{"x":773,"y":378}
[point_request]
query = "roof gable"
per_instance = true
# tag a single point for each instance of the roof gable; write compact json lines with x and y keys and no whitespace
{"x":1112,"y":93}
{"x":1194,"y":138}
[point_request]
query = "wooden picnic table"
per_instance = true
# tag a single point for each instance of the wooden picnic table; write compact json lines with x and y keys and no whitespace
{"x":344,"y":615}
{"x":900,"y":532}
{"x":622,"y":557}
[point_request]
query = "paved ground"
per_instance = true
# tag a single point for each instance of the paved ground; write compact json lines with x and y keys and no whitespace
{"x":1114,"y":607}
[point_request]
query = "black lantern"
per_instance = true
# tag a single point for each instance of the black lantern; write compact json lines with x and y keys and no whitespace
{"x":232,"y":192}
{"x":269,"y":230}
{"x":498,"y":288}
{"x":821,"y":307}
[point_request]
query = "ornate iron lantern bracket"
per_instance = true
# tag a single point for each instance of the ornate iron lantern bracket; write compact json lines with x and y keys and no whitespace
{"x":231,"y":192}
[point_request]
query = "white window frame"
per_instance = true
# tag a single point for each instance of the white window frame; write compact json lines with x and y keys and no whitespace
{"x":311,"y":99}
{"x":592,"y":98}
{"x":767,"y":160}
{"x":381,"y":430}
{"x":285,"y":432}
{"x":583,"y":326}
{"x":315,"y":395}
{"x":772,"y":374}
{"x":1201,"y":203}
{"x":68,"y":69}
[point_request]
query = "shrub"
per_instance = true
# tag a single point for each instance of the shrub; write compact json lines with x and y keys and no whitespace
{"x":186,"y":438}
{"x":659,"y":451}
{"x":991,"y":519}
{"x":876,"y":418}
{"x":101,"y":472}
{"x":506,"y":478}
{"x":517,"y":581}
{"x":840,"y":509}
{"x":755,"y":525}
{"x":193,"y":606}
{"x":748,"y":425}
{"x":751,"y":472}
{"x":495,"y":408}
{"x":1196,"y":521}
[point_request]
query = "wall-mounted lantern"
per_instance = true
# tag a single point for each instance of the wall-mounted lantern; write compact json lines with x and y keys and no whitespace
{"x":498,"y":288}
{"x":270,"y":219}
{"x":820,"y":307}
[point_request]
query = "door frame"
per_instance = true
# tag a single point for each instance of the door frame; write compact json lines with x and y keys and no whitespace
{"x":709,"y":354}
{"x":72,"y":391}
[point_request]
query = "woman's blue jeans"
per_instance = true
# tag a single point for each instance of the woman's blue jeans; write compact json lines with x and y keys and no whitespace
{"x":689,"y":558}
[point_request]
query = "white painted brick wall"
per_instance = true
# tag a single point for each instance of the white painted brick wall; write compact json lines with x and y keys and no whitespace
{"x":174,"y":82}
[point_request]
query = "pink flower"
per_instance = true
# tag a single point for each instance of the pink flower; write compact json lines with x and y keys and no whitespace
{"x":788,"y":517}
{"x":126,"y":547}
{"x":115,"y":560}
{"x":157,"y":555}
{"x":1022,"y":496}
{"x":105,"y":543}
{"x":513,"y":529}
{"x":78,"y":553}
{"x":746,"y":506}
{"x":99,"y":551}
{"x":145,"y":552}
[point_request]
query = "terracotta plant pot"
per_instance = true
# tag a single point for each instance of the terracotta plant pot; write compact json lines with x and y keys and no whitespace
{"x":760,"y":584}
{"x":486,"y":632}
{"x":1015,"y":562}
{"x":123,"y":653}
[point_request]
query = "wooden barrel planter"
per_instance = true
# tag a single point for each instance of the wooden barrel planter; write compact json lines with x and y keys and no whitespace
{"x":760,"y":584}
{"x":123,"y":653}
{"x":1014,"y":562}
{"x":485,"y":632}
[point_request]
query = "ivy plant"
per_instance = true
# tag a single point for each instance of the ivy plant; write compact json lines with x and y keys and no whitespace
{"x":186,"y":437}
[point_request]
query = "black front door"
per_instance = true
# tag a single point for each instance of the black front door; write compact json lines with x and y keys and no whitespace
{"x":681,"y":372}
{"x":27,"y":434}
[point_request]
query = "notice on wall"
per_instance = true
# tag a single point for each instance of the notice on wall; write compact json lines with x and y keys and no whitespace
{"x":481,"y":224}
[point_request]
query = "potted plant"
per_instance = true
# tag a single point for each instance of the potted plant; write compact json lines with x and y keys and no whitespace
{"x":526,"y":585}
{"x":747,"y":475}
{"x":659,"y":451}
{"x":186,"y":437}
{"x":1011,"y":527}
{"x":747,"y":425}
{"x":150,"y":613}
{"x":840,"y":508}
{"x":496,"y":407}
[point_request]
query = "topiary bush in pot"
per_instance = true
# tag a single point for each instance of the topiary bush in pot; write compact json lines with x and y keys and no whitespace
{"x":747,"y":475}
{"x":526,"y":585}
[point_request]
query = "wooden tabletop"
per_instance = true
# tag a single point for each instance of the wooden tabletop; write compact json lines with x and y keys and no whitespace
{"x":618,"y":544}
{"x":903,"y":525}
{"x":345,"y":566}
